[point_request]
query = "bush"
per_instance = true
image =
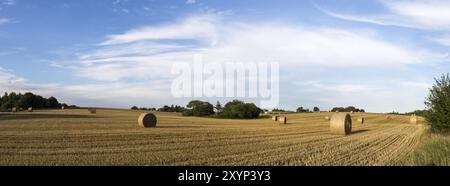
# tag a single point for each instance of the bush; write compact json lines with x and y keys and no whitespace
{"x":438,"y":103}
{"x":198,"y":108}
{"x":301,"y":109}
{"x":316,"y":109}
{"x":347,"y":109}
{"x":240,"y":110}
{"x":166,"y":108}
{"x":422,"y":113}
{"x":280,"y":110}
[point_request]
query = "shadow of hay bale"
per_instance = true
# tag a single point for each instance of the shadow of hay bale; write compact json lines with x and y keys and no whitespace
{"x":7,"y":116}
{"x":359,"y":131}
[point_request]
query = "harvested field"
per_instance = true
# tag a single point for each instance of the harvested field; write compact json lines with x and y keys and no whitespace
{"x":112,"y":137}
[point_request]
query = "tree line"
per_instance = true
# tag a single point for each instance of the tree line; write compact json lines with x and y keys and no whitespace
{"x":165,"y":108}
{"x":232,"y":109}
{"x":347,"y":109}
{"x":316,"y":109}
{"x":28,"y":99}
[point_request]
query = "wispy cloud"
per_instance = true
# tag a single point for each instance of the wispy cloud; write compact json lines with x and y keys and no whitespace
{"x":379,"y":96}
{"x":8,"y":2}
{"x":443,"y":40}
{"x":196,"y":27}
{"x":422,"y":14}
{"x":190,"y":1}
{"x":7,"y":79}
{"x":150,"y":51}
{"x":90,"y":94}
{"x":12,"y":51}
{"x":142,"y":56}
{"x":5,"y":20}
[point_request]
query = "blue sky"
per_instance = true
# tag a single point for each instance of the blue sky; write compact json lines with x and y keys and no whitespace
{"x":378,"y":55}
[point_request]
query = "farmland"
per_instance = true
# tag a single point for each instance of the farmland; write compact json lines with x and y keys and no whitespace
{"x":112,"y":137}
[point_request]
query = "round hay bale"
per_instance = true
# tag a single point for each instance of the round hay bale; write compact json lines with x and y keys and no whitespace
{"x":275,"y":118}
{"x":361,"y":120}
{"x":351,"y":112}
{"x":14,"y":109}
{"x":30,"y":109}
{"x":62,"y":108}
{"x":413,"y":119}
{"x":282,"y":119}
{"x":341,"y":123}
{"x":147,"y":120}
{"x":327,"y":118}
{"x":93,"y":111}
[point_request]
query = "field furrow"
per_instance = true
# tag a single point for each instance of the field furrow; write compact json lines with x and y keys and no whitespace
{"x":111,"y":137}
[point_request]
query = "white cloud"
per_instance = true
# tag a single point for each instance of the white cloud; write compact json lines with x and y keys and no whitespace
{"x":423,"y":14}
{"x":146,"y":54}
{"x":7,"y":79}
{"x":190,"y":1}
{"x":295,"y":45}
{"x":8,"y":2}
{"x":373,"y":96}
{"x":385,"y":20}
{"x":105,"y":94}
{"x":9,"y":82}
{"x":428,"y":13}
{"x":196,"y":27}
{"x":149,"y":52}
{"x":116,"y":2}
{"x":4,"y":21}
{"x":12,"y":51}
{"x":133,"y":49}
{"x":443,"y":40}
{"x":116,"y":94}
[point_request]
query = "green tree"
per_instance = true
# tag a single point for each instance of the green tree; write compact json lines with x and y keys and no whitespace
{"x":13,"y":99}
{"x":26,"y":100}
{"x":301,"y":109}
{"x":316,"y":109}
{"x":438,"y":105}
{"x":350,"y":108}
{"x":339,"y":109}
{"x":6,"y":103}
{"x":52,"y":102}
{"x":239,"y":109}
{"x":171,"y":108}
{"x":198,"y":108}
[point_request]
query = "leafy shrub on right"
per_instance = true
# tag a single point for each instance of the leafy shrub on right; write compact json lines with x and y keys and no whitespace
{"x":438,"y":103}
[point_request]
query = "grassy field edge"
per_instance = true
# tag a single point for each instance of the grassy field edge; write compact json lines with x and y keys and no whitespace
{"x":432,"y":150}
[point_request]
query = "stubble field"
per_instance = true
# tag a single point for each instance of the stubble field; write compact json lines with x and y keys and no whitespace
{"x":112,"y":137}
